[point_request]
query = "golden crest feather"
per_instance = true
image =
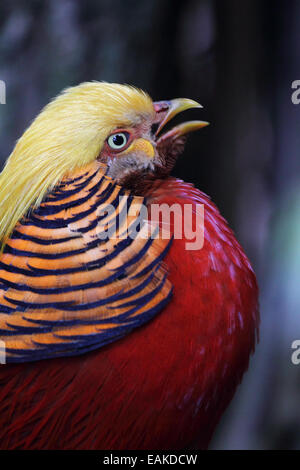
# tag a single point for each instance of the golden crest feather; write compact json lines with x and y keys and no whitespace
{"x":68,"y":134}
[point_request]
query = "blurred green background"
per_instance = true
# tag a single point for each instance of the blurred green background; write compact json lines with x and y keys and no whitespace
{"x":239,"y":59}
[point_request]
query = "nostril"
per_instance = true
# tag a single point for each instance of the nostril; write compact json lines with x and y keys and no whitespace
{"x":161,"y":106}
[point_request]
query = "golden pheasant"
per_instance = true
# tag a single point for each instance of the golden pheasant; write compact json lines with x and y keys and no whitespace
{"x":116,"y":335}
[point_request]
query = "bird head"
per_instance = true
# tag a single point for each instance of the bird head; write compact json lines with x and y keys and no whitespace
{"x":118,"y":125}
{"x":141,"y":150}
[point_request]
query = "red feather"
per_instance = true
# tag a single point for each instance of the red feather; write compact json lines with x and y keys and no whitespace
{"x":166,"y":384}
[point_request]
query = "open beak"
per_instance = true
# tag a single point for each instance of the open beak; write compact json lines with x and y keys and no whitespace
{"x":170,"y":109}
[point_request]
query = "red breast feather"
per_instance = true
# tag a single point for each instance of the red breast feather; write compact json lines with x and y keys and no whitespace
{"x":165,"y":385}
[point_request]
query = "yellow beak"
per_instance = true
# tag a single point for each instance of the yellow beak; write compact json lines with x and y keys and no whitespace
{"x":171,"y":108}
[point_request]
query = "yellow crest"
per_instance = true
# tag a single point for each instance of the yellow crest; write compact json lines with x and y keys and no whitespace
{"x":68,"y":134}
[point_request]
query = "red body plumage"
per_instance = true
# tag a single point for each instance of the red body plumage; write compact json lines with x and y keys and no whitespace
{"x":166,"y":384}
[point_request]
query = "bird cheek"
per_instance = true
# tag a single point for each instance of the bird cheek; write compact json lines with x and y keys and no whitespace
{"x":141,"y":146}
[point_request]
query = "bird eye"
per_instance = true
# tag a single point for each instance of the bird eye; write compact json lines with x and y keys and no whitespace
{"x":118,"y":141}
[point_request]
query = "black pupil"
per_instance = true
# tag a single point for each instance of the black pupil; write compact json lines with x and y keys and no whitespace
{"x":118,"y":140}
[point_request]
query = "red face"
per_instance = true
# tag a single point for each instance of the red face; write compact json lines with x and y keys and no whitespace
{"x":143,"y":151}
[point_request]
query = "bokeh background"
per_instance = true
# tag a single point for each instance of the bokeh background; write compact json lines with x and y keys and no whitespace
{"x":239,"y":59}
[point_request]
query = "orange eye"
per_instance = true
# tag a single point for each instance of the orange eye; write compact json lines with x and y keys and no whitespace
{"x":118,"y":140}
